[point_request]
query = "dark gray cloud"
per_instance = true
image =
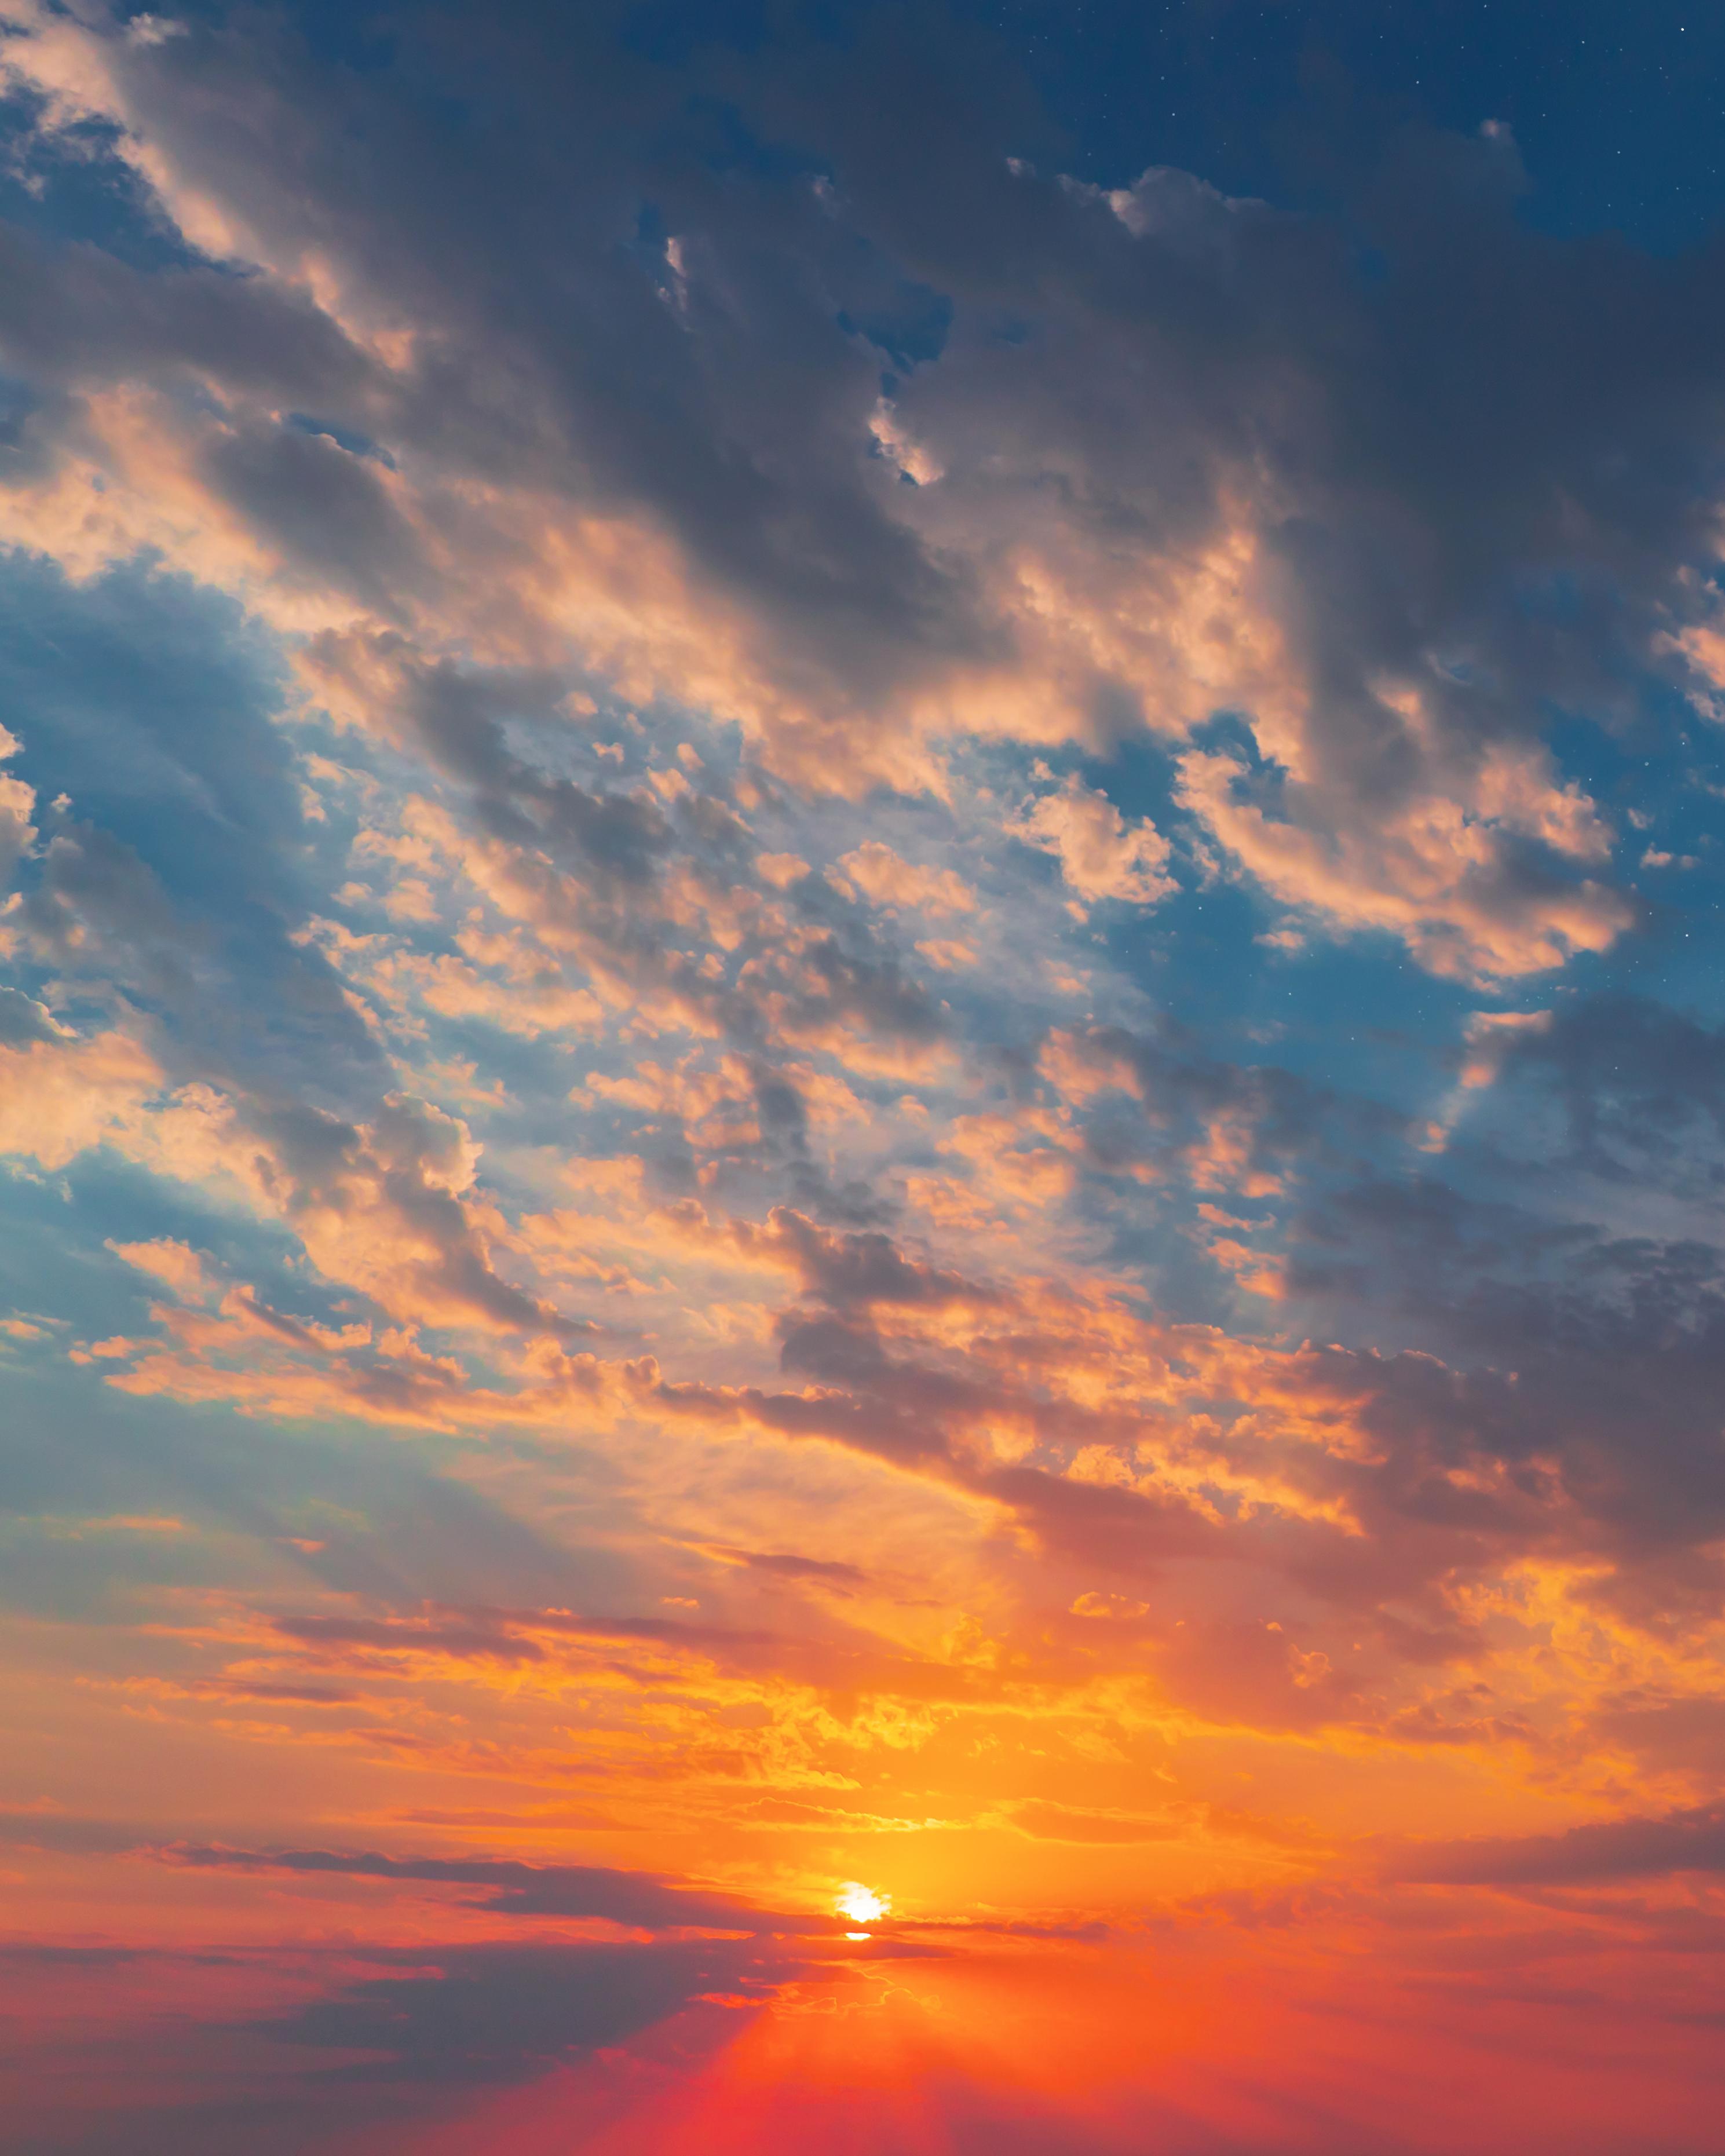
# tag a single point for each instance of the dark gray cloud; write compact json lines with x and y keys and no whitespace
{"x":1639,"y":1089}
{"x":1692,"y":1840}
{"x":639,"y":1900}
{"x":512,"y":2013}
{"x":387,"y":2046}
{"x":22,"y":1019}
{"x":785,"y":1564}
{"x":724,"y":387}
{"x":852,"y":1270}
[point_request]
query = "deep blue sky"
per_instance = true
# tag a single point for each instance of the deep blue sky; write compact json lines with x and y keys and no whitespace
{"x":1618,"y":111}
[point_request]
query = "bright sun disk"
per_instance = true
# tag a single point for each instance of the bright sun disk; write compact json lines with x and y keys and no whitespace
{"x":861,"y":1904}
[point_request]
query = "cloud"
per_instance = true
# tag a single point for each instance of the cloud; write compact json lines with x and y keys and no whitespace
{"x":18,"y":804}
{"x":1692,"y":1840}
{"x":881,"y":875}
{"x":636,"y":1900}
{"x":593,"y":629}
{"x":1283,"y":517}
{"x":506,"y":2014}
{"x":176,"y":1267}
{"x":60,"y":1099}
{"x":1447,"y":876}
{"x":1100,"y":855}
{"x":1053,"y":1822}
{"x":787,"y":1565}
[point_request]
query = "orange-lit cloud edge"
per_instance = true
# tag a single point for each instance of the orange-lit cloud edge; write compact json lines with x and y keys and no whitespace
{"x":757,"y":1479}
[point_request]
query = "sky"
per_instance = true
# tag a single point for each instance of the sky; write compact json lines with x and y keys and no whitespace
{"x":862,"y":1078}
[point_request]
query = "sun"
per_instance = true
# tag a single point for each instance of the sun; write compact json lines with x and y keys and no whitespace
{"x":861,"y":1904}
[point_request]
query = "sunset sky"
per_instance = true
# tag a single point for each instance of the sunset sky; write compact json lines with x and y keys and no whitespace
{"x":862,"y":1078}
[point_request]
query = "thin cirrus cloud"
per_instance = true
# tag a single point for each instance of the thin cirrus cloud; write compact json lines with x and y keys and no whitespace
{"x":856,"y":1028}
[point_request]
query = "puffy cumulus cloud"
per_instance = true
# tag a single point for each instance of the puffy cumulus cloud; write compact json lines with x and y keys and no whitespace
{"x":878,"y":873}
{"x":18,"y":804}
{"x":59,"y":1100}
{"x":179,"y":1269}
{"x":1100,"y":855}
{"x":1444,"y":874}
{"x":1210,"y":468}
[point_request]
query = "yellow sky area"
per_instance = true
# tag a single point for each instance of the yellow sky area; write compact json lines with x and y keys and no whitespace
{"x":965,"y":1750}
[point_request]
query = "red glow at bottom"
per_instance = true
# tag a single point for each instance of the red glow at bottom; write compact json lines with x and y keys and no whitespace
{"x":1103,"y":2055}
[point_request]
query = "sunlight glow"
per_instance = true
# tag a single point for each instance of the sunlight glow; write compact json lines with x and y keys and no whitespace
{"x":861,"y":1904}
